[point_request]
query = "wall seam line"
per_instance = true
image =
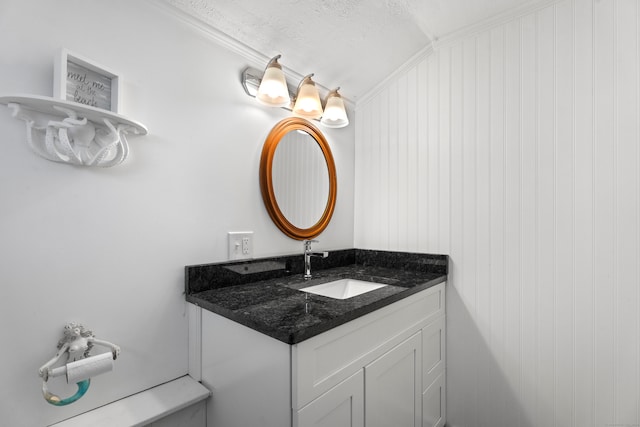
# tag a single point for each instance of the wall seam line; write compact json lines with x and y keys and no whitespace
{"x":536,"y":211}
{"x":573,"y":210}
{"x":450,"y":119}
{"x":427,"y":144}
{"x":594,"y":125}
{"x":490,"y":242}
{"x":437,"y":122}
{"x":389,"y":147}
{"x":555,"y":214}
{"x":462,"y":176}
{"x":417,"y":160}
{"x":520,"y":215}
{"x":475,"y":203}
{"x":638,"y":199}
{"x":504,"y":187}
{"x":616,"y":285}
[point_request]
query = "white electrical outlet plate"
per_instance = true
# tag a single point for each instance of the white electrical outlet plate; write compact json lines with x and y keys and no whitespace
{"x":240,"y":244}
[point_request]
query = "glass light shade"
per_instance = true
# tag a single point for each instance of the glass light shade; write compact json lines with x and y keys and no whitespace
{"x":335,"y":115}
{"x":273,"y":90}
{"x":308,"y":103}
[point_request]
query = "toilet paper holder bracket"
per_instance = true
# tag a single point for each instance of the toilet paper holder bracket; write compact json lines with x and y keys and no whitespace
{"x":79,"y":367}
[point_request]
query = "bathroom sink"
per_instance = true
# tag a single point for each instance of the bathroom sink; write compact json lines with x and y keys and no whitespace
{"x":343,"y":288}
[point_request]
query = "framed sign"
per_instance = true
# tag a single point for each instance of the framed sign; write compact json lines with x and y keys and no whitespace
{"x":80,"y":80}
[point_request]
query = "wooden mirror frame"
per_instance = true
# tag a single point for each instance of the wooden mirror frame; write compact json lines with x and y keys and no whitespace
{"x":266,"y":180}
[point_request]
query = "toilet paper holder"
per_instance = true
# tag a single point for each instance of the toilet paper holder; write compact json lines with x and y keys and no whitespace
{"x":79,"y":366}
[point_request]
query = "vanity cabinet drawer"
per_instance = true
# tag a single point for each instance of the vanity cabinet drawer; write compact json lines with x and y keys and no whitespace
{"x":322,"y":362}
{"x":342,"y":406}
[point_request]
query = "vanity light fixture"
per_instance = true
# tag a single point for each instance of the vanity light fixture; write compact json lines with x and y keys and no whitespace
{"x":273,"y":90}
{"x":335,"y":115}
{"x":307,"y":104}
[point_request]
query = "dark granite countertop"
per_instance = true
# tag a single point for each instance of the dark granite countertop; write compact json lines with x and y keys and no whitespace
{"x":264,"y":294}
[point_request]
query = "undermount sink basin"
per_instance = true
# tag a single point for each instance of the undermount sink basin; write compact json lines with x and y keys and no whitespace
{"x":343,"y":288}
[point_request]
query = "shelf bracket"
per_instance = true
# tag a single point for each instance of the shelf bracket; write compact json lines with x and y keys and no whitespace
{"x":71,"y":133}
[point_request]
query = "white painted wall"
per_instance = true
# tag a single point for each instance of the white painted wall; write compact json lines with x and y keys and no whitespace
{"x":108,"y":247}
{"x":516,"y":150}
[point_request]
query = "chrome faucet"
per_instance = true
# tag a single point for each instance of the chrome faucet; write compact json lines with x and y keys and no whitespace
{"x":307,"y":257}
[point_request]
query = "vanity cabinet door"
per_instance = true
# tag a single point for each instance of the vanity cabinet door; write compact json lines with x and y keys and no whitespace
{"x":433,"y":403}
{"x":342,"y":406}
{"x":393,"y":386}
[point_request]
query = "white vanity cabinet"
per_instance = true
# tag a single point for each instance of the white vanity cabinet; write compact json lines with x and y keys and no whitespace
{"x":384,"y":368}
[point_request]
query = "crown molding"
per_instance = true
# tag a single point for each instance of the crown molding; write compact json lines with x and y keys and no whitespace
{"x":254,"y":57}
{"x":210,"y":32}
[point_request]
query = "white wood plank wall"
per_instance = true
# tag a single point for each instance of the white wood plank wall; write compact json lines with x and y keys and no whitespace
{"x":516,"y":150}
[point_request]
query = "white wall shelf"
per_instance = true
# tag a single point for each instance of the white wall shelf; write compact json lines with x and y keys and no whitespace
{"x":68,"y":132}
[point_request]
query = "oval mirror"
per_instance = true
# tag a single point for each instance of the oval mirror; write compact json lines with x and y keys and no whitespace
{"x":298,"y":178}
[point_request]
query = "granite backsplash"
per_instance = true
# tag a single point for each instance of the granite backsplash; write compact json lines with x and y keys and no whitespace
{"x":203,"y":277}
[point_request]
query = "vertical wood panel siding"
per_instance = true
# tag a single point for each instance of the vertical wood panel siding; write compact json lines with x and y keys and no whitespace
{"x":516,"y":150}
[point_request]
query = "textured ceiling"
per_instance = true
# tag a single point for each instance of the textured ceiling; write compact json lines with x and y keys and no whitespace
{"x":354,"y":44}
